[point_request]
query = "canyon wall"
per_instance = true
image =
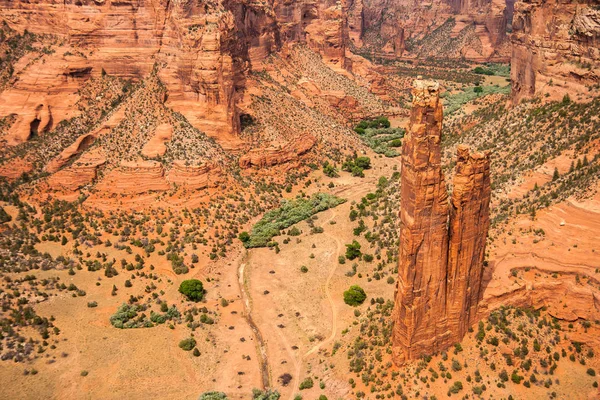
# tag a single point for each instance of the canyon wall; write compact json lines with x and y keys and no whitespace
{"x":202,"y":49}
{"x":472,"y":29}
{"x":555,"y":47}
{"x":440,"y":263}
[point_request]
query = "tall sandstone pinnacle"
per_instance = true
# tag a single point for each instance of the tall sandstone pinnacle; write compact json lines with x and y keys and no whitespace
{"x":442,"y":241}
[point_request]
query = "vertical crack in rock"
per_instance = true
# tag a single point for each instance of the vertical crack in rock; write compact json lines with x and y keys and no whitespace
{"x":442,"y":243}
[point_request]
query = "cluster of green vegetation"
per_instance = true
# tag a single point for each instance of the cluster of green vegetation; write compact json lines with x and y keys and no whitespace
{"x":193,"y":289}
{"x":454,"y":102}
{"x":493,"y":69}
{"x":378,"y":135}
{"x":290,"y":213}
{"x":356,"y":165}
{"x":257,"y":394}
{"x":130,"y":316}
{"x":376,"y":215}
{"x":355,"y":296}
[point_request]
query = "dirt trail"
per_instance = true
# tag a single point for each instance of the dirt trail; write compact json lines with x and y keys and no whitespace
{"x":260,"y":343}
{"x":334,"y":314}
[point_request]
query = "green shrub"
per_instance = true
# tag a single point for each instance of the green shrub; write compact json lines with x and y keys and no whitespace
{"x":187,"y":344}
{"x":330,"y":170}
{"x":258,"y":394}
{"x":363,"y":162}
{"x":353,"y":250}
{"x":192,"y":289}
{"x":244,"y":237}
{"x":213,"y":396}
{"x":307,"y":383}
{"x":354,"y":296}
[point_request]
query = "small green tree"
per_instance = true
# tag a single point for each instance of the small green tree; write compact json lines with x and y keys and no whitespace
{"x":354,"y":296}
{"x":192,"y":289}
{"x":353,"y":250}
{"x":556,"y":175}
{"x":307,"y":383}
{"x":330,"y":170}
{"x":363,"y":162}
{"x":258,"y":394}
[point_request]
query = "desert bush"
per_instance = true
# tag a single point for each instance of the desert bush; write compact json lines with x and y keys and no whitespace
{"x":192,"y":289}
{"x":213,"y":396}
{"x":354,"y":296}
{"x":307,"y":383}
{"x":258,"y":394}
{"x":187,"y":344}
{"x":353,"y":250}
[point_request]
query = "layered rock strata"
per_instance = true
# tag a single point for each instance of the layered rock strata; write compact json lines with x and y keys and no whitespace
{"x":195,"y":177}
{"x":269,"y":156}
{"x":465,"y":29}
{"x":442,"y":244}
{"x":203,"y":49}
{"x":555,"y":47}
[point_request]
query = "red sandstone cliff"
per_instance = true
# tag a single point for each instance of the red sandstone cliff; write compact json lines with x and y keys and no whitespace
{"x":440,"y":267}
{"x":555,"y":47}
{"x":419,"y":323}
{"x":203,"y":49}
{"x":441,"y":28}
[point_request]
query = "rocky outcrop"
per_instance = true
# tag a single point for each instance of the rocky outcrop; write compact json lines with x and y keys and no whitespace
{"x":84,"y":142}
{"x":33,"y":122}
{"x":440,"y":28}
{"x":555,"y":48}
{"x":270,"y":156}
{"x":196,"y":177}
{"x":134,"y":178}
{"x":440,"y":266}
{"x":469,"y":224}
{"x":82,"y":172}
{"x":203,"y":49}
{"x":156,"y":146}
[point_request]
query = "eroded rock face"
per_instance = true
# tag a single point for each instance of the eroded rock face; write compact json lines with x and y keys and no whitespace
{"x":440,"y":266}
{"x":134,"y":178}
{"x":195,"y":177}
{"x":477,"y":27}
{"x":469,"y":224}
{"x":267,"y":157}
{"x":555,"y":47}
{"x":203,"y":49}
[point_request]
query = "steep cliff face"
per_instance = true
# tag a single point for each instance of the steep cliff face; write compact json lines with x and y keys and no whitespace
{"x":555,"y":47}
{"x":419,"y":323}
{"x":440,"y":266}
{"x":440,"y":28}
{"x":469,"y":224}
{"x":202,"y":49}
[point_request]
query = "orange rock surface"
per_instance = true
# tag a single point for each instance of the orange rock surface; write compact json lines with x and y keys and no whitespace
{"x":195,"y":176}
{"x":440,"y":267}
{"x":555,"y":48}
{"x":267,"y":157}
